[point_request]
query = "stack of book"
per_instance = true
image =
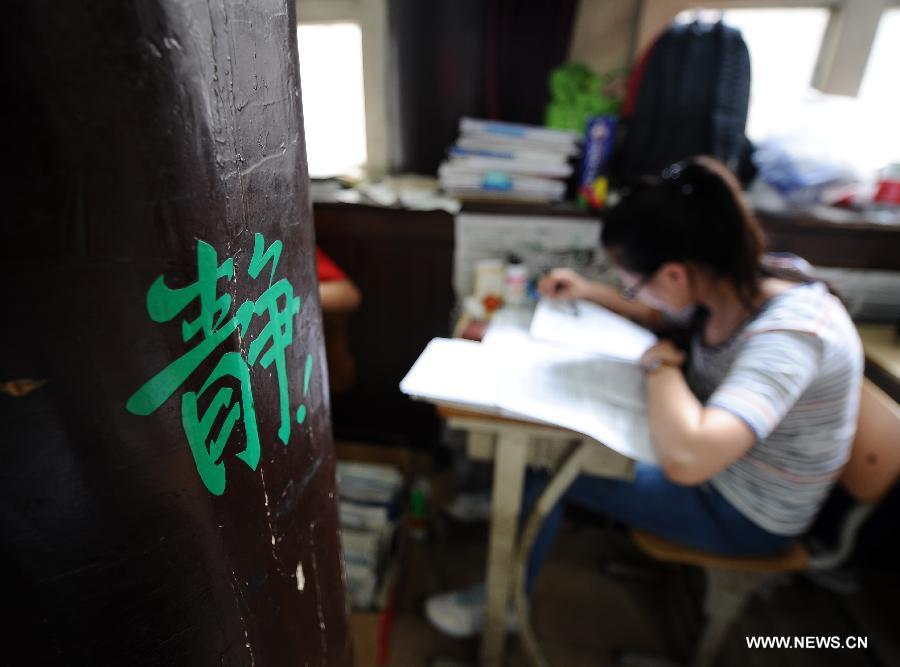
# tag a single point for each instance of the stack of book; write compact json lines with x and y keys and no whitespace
{"x":371,"y":501}
{"x":508,"y":161}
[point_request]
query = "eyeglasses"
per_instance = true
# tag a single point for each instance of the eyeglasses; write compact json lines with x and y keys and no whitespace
{"x":630,"y":292}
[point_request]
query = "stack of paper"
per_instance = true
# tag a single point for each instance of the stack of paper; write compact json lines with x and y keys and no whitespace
{"x":371,"y":498}
{"x":508,"y":161}
{"x":368,"y":482}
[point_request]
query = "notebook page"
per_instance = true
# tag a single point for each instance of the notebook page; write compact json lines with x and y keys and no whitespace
{"x":457,"y":372}
{"x":601,"y":398}
{"x":587,"y":327}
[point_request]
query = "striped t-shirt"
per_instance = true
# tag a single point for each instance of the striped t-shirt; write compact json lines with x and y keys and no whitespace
{"x":793,"y":374}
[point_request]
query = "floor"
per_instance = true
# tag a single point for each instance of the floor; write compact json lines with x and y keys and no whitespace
{"x":597,"y":595}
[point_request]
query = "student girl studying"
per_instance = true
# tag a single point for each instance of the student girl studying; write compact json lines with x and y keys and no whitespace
{"x":752,"y":418}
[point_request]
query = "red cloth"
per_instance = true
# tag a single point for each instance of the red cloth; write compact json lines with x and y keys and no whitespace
{"x":328,"y":270}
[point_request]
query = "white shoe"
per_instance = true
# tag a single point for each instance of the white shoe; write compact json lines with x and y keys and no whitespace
{"x":471,"y":507}
{"x":460,"y":614}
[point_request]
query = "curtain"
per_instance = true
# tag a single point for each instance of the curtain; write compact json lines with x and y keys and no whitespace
{"x":482,"y":58}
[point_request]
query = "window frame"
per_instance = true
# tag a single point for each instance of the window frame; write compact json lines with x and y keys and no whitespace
{"x":371,"y":15}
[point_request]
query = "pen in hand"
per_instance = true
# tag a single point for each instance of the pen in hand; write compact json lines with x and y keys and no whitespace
{"x":559,"y":284}
{"x":573,"y":306}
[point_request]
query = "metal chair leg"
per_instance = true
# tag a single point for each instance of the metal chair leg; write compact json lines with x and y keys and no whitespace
{"x":726,"y":595}
{"x":565,"y":474}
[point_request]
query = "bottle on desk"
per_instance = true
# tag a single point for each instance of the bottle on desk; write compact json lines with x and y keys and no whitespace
{"x":515,"y":283}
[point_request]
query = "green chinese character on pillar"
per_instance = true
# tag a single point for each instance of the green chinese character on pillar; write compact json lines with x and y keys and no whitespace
{"x":277,"y":305}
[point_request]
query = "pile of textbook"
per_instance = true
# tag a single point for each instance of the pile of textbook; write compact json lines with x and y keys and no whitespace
{"x":371,"y":502}
{"x":508,"y":161}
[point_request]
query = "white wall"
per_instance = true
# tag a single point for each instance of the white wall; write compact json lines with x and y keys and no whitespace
{"x":604,"y":34}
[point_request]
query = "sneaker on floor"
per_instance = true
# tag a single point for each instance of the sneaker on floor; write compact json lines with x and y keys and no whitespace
{"x":471,"y":507}
{"x":460,"y":614}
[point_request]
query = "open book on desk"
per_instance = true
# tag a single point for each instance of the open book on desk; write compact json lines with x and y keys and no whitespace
{"x":587,"y":327}
{"x":521,"y":378}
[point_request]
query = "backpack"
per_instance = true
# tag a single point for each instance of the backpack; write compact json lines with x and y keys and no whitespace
{"x":688,"y":96}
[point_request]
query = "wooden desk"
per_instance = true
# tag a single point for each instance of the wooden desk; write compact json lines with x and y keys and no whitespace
{"x":380,"y":248}
{"x":882,"y":347}
{"x":512,"y":445}
{"x":849,"y":245}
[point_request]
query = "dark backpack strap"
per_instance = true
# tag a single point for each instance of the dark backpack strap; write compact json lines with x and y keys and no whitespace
{"x":692,"y":99}
{"x":639,"y":133}
{"x":732,"y":96}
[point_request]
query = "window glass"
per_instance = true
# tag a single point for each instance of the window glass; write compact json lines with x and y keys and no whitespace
{"x":879,"y":93}
{"x":331,"y":82}
{"x":781,"y":74}
{"x":855,"y":133}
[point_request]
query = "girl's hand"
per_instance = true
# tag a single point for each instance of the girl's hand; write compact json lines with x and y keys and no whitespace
{"x":664,"y":353}
{"x":563,"y":283}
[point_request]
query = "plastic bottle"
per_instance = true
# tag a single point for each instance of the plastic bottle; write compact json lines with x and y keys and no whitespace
{"x":515,"y":284}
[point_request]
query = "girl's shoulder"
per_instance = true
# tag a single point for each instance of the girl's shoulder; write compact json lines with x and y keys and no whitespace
{"x":803,"y":307}
{"x":775,"y":287}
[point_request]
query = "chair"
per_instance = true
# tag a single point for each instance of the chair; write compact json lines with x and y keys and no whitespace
{"x":868,"y":476}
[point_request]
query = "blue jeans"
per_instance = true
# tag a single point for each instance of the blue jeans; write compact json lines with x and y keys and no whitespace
{"x":695,"y":516}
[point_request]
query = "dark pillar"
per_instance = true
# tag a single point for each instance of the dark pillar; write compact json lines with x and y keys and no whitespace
{"x":167,"y":492}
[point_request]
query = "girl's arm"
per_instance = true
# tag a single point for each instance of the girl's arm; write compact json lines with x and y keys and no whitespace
{"x":769,"y":374}
{"x":339,"y":296}
{"x":694,"y":442}
{"x":565,"y":283}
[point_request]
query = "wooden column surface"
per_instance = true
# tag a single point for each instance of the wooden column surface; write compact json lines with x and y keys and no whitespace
{"x":168,"y":477}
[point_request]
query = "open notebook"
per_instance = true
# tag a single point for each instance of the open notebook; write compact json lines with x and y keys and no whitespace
{"x":585,"y":326}
{"x":517,"y":376}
